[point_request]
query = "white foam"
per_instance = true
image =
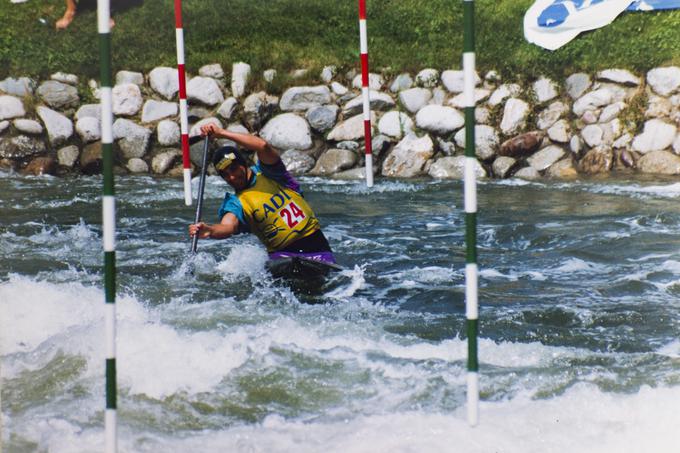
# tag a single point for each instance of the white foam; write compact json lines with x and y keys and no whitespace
{"x":243,"y":260}
{"x":638,"y":191}
{"x":32,"y":312}
{"x":357,"y":281}
{"x":576,"y":265}
{"x":583,"y":419}
{"x":671,"y":349}
{"x":493,"y":274}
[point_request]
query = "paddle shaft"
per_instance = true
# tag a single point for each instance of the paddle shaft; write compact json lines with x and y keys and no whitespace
{"x":201,"y":189}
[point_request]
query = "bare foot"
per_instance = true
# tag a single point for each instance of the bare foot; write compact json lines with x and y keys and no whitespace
{"x":65,"y":21}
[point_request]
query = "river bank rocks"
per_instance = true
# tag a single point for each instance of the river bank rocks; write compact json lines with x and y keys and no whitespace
{"x":588,"y":124}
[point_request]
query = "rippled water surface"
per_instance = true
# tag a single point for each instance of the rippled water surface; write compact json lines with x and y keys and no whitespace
{"x":579,"y":321}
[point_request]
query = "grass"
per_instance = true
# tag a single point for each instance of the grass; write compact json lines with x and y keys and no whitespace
{"x":404,"y":35}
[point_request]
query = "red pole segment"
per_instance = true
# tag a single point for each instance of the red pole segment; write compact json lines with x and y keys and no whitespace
{"x":363,"y":48}
{"x":183,"y":110}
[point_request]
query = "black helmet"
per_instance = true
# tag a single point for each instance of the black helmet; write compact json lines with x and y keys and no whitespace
{"x":226,"y":155}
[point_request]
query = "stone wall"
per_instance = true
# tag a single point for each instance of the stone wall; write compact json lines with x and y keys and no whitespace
{"x":587,"y":124}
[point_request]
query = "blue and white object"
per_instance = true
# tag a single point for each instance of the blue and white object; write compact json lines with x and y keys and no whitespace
{"x":553,"y":23}
{"x":651,"y":5}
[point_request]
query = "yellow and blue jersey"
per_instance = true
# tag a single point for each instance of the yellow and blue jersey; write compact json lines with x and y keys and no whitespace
{"x":271,"y":207}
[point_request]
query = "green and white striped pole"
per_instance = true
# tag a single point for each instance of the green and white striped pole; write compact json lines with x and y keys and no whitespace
{"x":108,"y":221}
{"x":471,"y":278}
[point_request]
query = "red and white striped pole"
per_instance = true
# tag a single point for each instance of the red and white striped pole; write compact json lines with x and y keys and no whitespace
{"x":183,"y":111}
{"x":363,"y":48}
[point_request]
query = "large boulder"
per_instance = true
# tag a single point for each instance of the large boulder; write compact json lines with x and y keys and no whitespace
{"x":660,"y":162}
{"x":333,"y":161}
{"x":598,"y":160}
{"x":560,"y":132}
{"x":91,"y":159}
{"x":414,"y":99}
{"x":137,"y":165}
{"x":11,"y":107}
{"x":395,"y":124}
{"x":502,"y":166}
{"x":350,"y":129}
{"x":401,"y":82}
{"x":164,"y":81}
{"x":59,"y":127}
{"x":656,"y":135}
{"x":228,"y":107}
{"x":240,"y":74}
{"x":620,"y":76}
{"x":522,"y":145}
{"x":20,"y":147}
{"x":157,"y":110}
{"x":129,"y":77}
{"x":58,"y":95}
{"x":89,"y":129}
{"x":545,"y":157}
{"x":378,"y":101}
{"x":577,"y":84}
{"x":563,"y":169}
{"x":167,"y":133}
{"x":305,"y":97}
{"x":133,"y":139}
{"x":592,"y":134}
{"x":593,"y":100}
{"x":459,"y":101}
{"x":287,"y":131}
{"x":89,"y":110}
{"x":67,"y":156}
{"x":551,"y":115}
{"x":503,"y":92}
{"x":453,"y":167}
{"x":213,"y":70}
{"x":126,"y":99}
{"x":257,"y":108}
{"x":515,"y":115}
{"x":44,"y":165}
{"x":439,"y":119}
{"x":427,"y":78}
{"x":297,"y":162}
{"x":664,"y":81}
{"x":322,"y":117}
{"x":544,"y":90}
{"x":204,"y":90}
{"x":164,"y":160}
{"x":486,"y":141}
{"x":454,"y":80}
{"x":23,"y":86}
{"x":26,"y":126}
{"x":408,"y":158}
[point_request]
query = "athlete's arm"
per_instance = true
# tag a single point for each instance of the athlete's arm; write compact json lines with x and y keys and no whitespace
{"x":266,"y":153}
{"x":226,"y":228}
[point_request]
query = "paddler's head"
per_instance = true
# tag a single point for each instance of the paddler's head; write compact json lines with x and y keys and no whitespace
{"x":232,"y":167}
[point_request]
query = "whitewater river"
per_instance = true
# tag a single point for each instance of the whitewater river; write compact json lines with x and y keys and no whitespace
{"x":579,"y":322}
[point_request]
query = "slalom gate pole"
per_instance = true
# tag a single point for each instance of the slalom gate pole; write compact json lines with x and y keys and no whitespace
{"x":471,"y":270}
{"x":363,"y":48}
{"x":108,"y":221}
{"x":183,"y":110}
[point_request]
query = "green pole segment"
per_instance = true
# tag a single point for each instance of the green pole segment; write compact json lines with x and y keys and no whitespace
{"x":471,"y":269}
{"x":108,"y":222}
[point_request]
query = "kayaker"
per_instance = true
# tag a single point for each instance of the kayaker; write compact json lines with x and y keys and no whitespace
{"x":267,"y":201}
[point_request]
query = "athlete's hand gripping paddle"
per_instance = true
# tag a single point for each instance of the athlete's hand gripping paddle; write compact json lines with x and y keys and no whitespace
{"x":201,"y":189}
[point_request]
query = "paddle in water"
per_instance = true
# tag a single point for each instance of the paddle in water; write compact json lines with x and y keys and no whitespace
{"x":201,"y":189}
